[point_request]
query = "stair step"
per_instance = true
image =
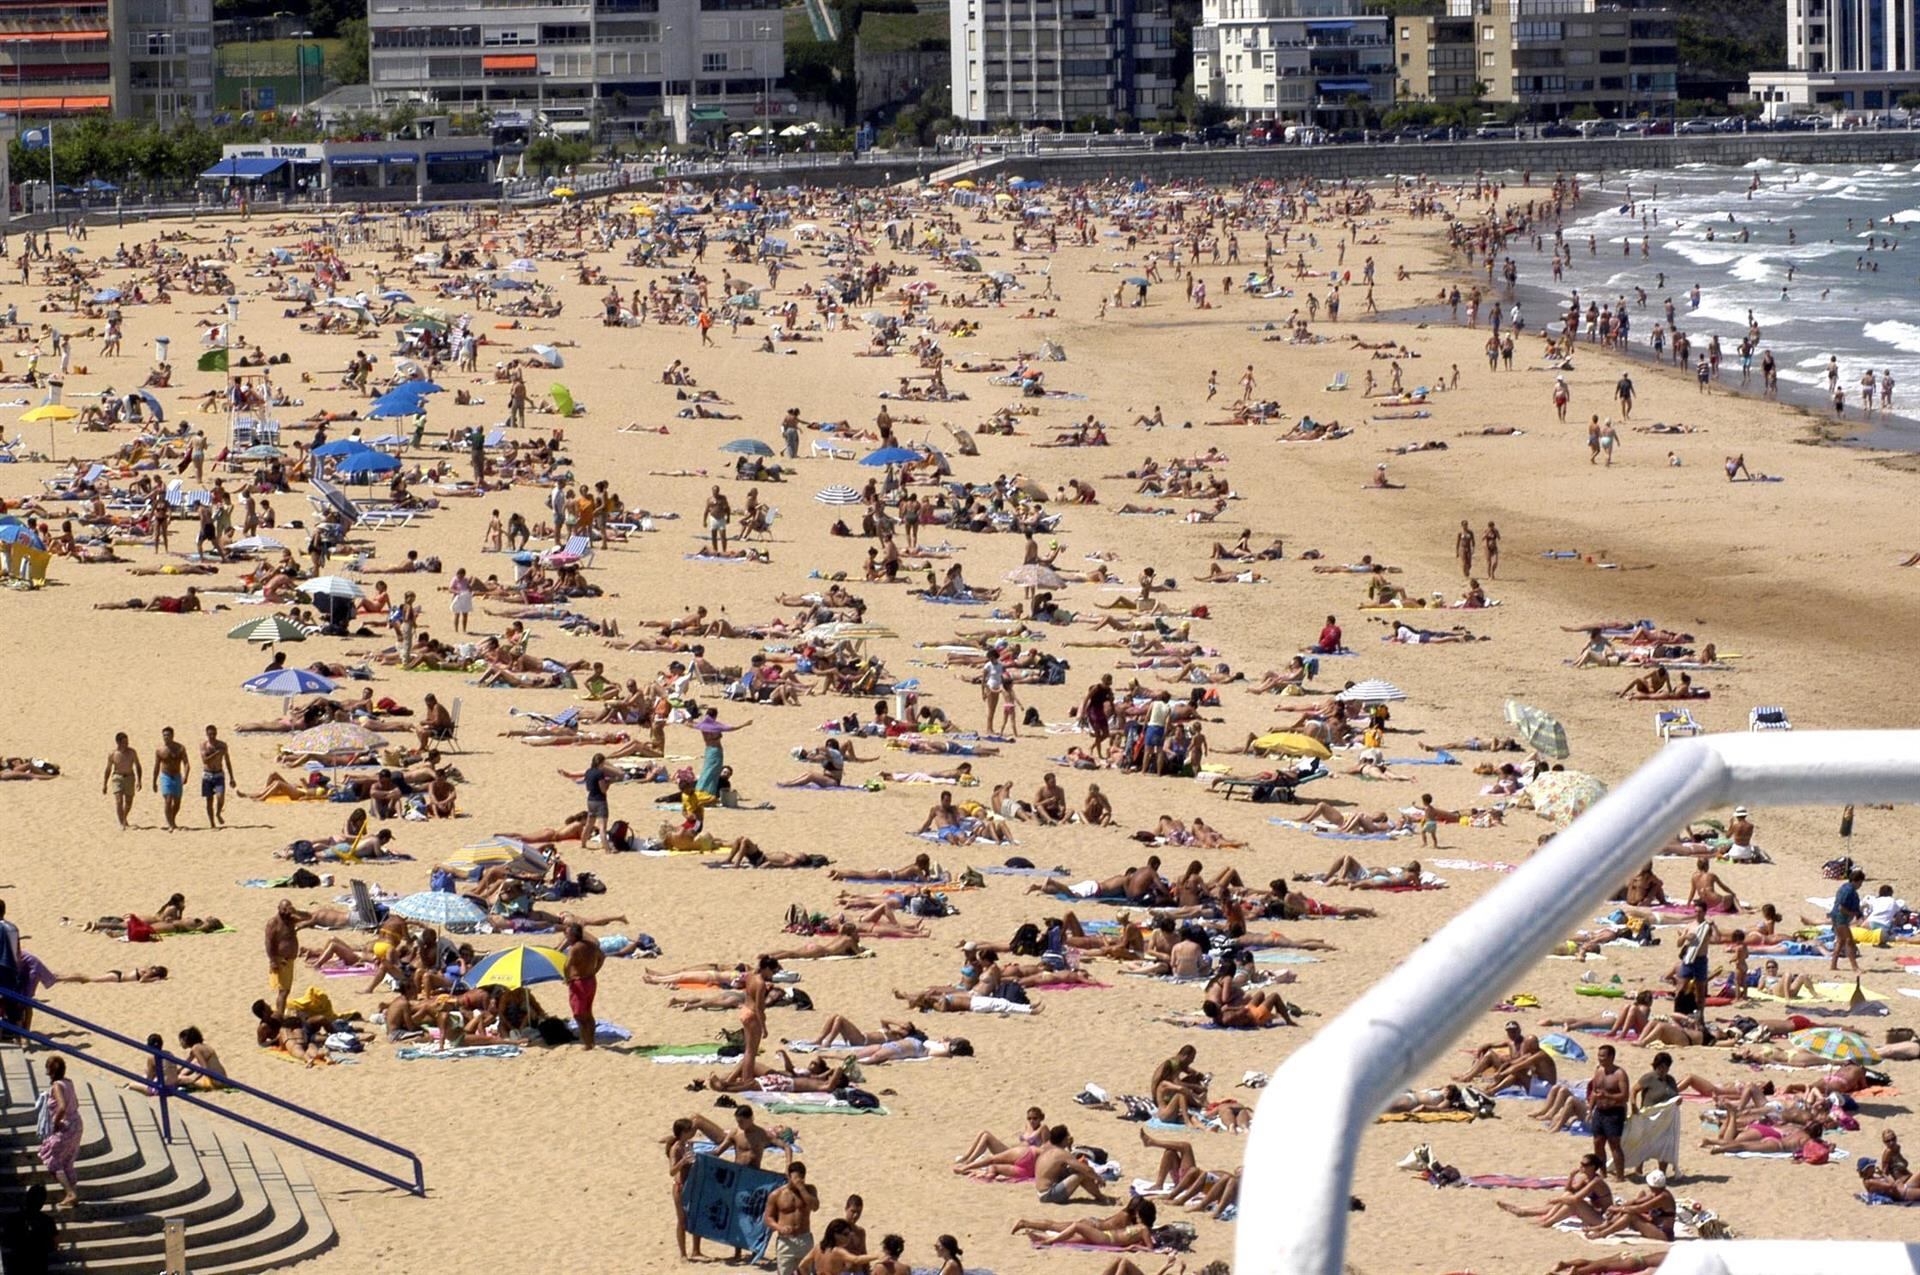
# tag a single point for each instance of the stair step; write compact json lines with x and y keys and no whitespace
{"x":218,"y":1214}
{"x":101,"y":1154}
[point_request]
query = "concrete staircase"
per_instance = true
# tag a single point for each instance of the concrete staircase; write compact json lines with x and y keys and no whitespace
{"x":243,"y":1210}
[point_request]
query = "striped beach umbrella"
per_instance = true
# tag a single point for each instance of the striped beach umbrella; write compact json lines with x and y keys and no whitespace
{"x":1834,"y":1044}
{"x":330,"y":587}
{"x":1374,"y":691}
{"x":274,"y":628}
{"x":333,"y":737}
{"x":1538,"y":730}
{"x":517,"y":967}
{"x":747,"y":447}
{"x":437,"y":907}
{"x":837,"y":495}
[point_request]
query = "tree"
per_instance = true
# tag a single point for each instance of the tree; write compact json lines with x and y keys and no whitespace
{"x":351,"y":65}
{"x":1910,"y":101}
{"x":550,"y":154}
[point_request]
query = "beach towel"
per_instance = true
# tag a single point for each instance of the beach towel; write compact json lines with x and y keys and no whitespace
{"x":1088,"y":1248}
{"x":1865,"y":1198}
{"x":1051,"y":872}
{"x":413,"y":1053}
{"x":707,"y":1055}
{"x":1423,"y":1117}
{"x":1328,"y":834}
{"x":1653,"y":1135}
{"x":787,"y":1107}
{"x":1824,"y":993}
{"x":727,"y":1202}
{"x":1282,"y":956}
{"x":1473,"y":865}
{"x":1503,"y":1181}
{"x":603,"y":1033}
{"x":346,"y":971}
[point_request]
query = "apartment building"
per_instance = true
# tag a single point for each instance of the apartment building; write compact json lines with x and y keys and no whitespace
{"x":1056,"y":61}
{"x":141,"y":59}
{"x":1845,"y":54}
{"x":1294,"y":59}
{"x":582,"y":66}
{"x":1549,"y":56}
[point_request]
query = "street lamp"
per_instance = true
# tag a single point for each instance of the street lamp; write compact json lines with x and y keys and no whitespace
{"x":765,"y":31}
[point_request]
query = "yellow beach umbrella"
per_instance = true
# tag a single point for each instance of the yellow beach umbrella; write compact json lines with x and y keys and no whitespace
{"x":518,"y":967}
{"x":1292,"y":744}
{"x":563,"y":192}
{"x":640,"y":210}
{"x":51,"y":412}
{"x":963,"y":184}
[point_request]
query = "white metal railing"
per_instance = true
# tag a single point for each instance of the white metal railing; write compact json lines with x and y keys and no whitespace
{"x":1300,"y":1152}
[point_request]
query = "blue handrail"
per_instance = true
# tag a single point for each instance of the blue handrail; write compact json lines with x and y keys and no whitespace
{"x":165,"y":1092}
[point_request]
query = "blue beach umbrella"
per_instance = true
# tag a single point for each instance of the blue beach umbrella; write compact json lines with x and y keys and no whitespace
{"x":20,"y":533}
{"x":437,"y":907}
{"x":340,"y":447}
{"x":367,"y":463}
{"x":388,"y":406}
{"x":289,"y":681}
{"x":747,"y":447}
{"x":889,"y":456}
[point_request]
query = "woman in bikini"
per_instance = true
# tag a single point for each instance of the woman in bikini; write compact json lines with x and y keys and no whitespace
{"x":1587,"y":1197}
{"x":139,"y":974}
{"x":1129,"y":1229}
{"x":989,"y":1152}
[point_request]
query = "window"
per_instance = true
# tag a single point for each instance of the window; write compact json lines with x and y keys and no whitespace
{"x":1486,"y":35}
{"x":1486,"y":59}
{"x":712,"y":62}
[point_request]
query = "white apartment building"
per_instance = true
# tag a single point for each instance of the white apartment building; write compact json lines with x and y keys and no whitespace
{"x":582,"y":64}
{"x":168,"y":49}
{"x":1858,"y":55}
{"x":147,"y":59}
{"x":1056,"y":61}
{"x":1295,"y":59}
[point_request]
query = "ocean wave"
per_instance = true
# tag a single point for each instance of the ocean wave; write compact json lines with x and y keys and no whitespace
{"x":1762,"y":164}
{"x":1904,"y":337}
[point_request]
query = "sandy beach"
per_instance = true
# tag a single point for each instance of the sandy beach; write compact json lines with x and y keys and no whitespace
{"x":1795,"y":582}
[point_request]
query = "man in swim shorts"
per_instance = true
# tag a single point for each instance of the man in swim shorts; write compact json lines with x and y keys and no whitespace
{"x":123,"y":773}
{"x":584,"y":959}
{"x":216,"y":772}
{"x":170,"y":766}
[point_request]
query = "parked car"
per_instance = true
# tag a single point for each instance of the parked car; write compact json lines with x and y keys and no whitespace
{"x":1600,"y":128}
{"x":1693,"y":127}
{"x":1500,"y":133}
{"x":1219,"y":135}
{"x":1263,"y":132}
{"x":1559,"y":130}
{"x":1349,"y":136}
{"x":1169,"y":141}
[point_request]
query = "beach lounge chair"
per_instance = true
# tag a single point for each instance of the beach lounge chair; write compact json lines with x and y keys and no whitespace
{"x":1338,"y":383}
{"x":452,"y":735}
{"x":363,"y":913}
{"x":828,"y":450}
{"x":1674,"y":723}
{"x":1768,"y":717}
{"x":577,"y":550}
{"x":385,"y":519}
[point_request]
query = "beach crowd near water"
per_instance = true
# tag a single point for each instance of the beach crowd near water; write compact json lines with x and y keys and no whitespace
{"x":837,"y":691}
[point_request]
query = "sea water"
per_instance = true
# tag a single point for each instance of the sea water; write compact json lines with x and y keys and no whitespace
{"x":1844,"y":222}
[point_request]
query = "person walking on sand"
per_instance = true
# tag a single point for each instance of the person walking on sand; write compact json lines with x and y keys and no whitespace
{"x":1607,"y":1097}
{"x":61,"y":1146}
{"x":1561,"y":396}
{"x":1463,"y":548}
{"x":1490,"y":545}
{"x":1623,"y":392}
{"x":122,"y":775}
{"x":1846,"y":911}
{"x":584,"y":959}
{"x":216,"y":776}
{"x":789,"y":1216}
{"x":1593,"y":439}
{"x":170,"y":767}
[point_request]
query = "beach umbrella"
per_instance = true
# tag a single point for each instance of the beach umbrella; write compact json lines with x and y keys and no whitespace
{"x":563,"y":192}
{"x":547,"y":355}
{"x":339,"y":447}
{"x":837,"y":495}
{"x":288,"y":681}
{"x":1565,"y":1047}
{"x":889,"y":456}
{"x":1025,"y":183}
{"x":1292,"y":745}
{"x":523,"y":265}
{"x":438,"y":907}
{"x":256,"y":544}
{"x":394,"y":294}
{"x":274,"y":628}
{"x":50,"y":412}
{"x":740,"y":205}
{"x":107,"y":295}
{"x":640,"y":210}
{"x":562,"y":398}
{"x":153,"y":404}
{"x":1137,"y":281}
{"x":518,"y":967}
{"x":1373,"y":691}
{"x":747,"y":447}
{"x":1036,"y":575}
{"x":20,"y":533}
{"x":334,"y":737}
{"x":388,"y":406}
{"x":964,"y":184}
{"x":366,"y":463}
{"x":330,"y":587}
{"x":1564,"y":795}
{"x":1834,"y":1044}
{"x":1538,"y":730}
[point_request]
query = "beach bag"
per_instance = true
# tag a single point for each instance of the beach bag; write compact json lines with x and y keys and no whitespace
{"x":138,"y":931}
{"x":554,"y":1031}
{"x":1813,"y":1153}
{"x":1175,"y":1237}
{"x":43,"y":1115}
{"x":1837,"y":869}
{"x":859,"y":1099}
{"x":441,"y":881}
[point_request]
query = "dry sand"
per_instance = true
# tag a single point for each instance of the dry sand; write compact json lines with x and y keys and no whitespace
{"x":557,"y":1152}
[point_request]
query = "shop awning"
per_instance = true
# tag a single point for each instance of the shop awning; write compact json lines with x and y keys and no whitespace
{"x":21,"y":105}
{"x":354,"y":161}
{"x":1329,"y":26}
{"x":709,"y":114}
{"x":571,"y":126}
{"x":459,"y":157}
{"x":244,"y":168}
{"x":402,"y":158}
{"x":510,"y":62}
{"x":1345,"y":86}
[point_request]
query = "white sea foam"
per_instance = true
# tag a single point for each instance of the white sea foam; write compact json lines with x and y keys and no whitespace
{"x":1904,"y":337}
